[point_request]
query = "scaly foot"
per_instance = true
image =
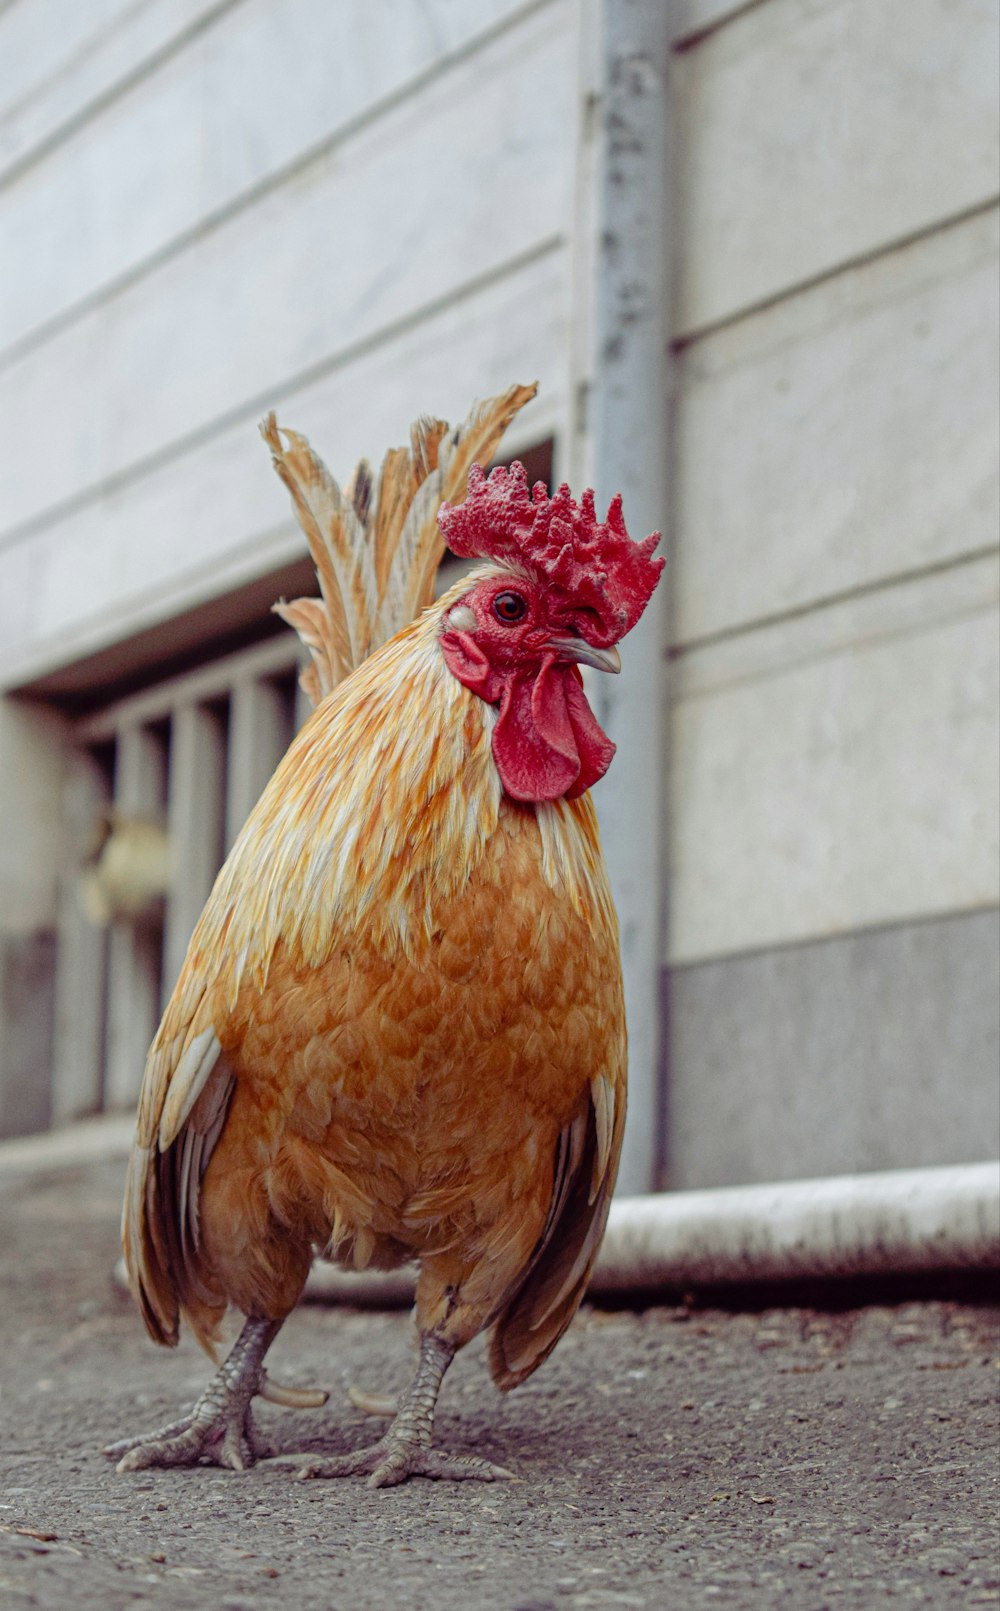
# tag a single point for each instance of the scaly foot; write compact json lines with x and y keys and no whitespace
{"x":405,"y":1449}
{"x":220,"y":1435}
{"x":392,"y":1459}
{"x":219,"y":1428}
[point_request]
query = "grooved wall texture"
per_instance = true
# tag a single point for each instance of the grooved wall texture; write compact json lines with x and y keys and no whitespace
{"x":353,"y":211}
{"x":831,"y":975}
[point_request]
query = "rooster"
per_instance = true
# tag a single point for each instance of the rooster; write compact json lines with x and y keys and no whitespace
{"x":399,"y":1032}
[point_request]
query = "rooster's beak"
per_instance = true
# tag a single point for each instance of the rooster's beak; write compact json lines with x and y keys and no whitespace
{"x":585,"y":653}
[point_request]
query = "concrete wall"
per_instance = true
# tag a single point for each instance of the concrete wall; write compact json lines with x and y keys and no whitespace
{"x":831,"y":962}
{"x":347,"y":211}
{"x":217,"y":221}
{"x":211,"y":207}
{"x":32,"y":857}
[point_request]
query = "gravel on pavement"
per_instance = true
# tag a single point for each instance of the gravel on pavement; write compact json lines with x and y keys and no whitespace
{"x":674,"y":1456}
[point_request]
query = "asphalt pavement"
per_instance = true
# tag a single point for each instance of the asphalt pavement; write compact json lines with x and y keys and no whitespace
{"x":673,"y":1457}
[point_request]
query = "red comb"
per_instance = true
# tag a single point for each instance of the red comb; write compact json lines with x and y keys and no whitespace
{"x":595,"y":563}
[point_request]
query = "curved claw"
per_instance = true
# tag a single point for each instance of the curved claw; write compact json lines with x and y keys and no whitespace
{"x":381,"y":1404}
{"x":293,"y":1398}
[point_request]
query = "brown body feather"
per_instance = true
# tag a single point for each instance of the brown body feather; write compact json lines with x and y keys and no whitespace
{"x":398,"y":1034}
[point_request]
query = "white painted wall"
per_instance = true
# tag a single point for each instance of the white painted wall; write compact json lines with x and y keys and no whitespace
{"x":834,"y":678}
{"x":813,"y":134}
{"x":840,"y":785}
{"x":209,"y":208}
{"x":231,"y":229}
{"x":845,"y":436}
{"x":210,"y":515}
{"x":192,"y":138}
{"x":349,"y":211}
{"x":47,"y":50}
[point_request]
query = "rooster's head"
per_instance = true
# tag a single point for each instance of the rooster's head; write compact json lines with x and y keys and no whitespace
{"x":563,"y":588}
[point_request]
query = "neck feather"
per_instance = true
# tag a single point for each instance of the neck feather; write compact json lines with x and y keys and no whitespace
{"x":380,"y":811}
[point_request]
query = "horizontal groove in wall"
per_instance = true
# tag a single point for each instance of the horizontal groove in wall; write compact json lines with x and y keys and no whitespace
{"x":890,"y":926}
{"x":87,"y":46}
{"x":243,"y":200}
{"x":685,"y":339}
{"x":882,"y":584}
{"x":144,"y":68}
{"x":191,"y":589}
{"x":256,"y":405}
{"x":690,"y":40}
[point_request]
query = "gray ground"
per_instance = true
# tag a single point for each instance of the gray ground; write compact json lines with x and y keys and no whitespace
{"x":669,"y":1458}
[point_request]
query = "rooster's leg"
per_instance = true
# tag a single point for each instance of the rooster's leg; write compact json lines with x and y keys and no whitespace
{"x":220,"y":1427}
{"x":405,"y":1450}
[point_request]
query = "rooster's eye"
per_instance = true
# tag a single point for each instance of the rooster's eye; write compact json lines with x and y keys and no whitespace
{"x":509,"y":607}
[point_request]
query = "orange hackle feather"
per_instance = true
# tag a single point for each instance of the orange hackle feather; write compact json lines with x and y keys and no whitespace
{"x":399,"y":1031}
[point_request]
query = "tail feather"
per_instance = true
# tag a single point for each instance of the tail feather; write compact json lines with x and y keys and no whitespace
{"x":405,"y":472}
{"x":339,"y":547}
{"x":376,"y":544}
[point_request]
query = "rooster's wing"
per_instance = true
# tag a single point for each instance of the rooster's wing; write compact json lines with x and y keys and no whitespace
{"x":537,"y":1313}
{"x":186,"y":1088}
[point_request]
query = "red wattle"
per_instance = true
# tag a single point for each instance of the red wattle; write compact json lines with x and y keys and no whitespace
{"x":547,"y":744}
{"x":593,"y":745}
{"x":533,"y":742}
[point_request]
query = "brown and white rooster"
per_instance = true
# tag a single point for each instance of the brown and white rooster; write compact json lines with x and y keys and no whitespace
{"x":399,"y":1033}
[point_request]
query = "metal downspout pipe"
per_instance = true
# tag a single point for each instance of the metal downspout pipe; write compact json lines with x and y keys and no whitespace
{"x":622,"y":298}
